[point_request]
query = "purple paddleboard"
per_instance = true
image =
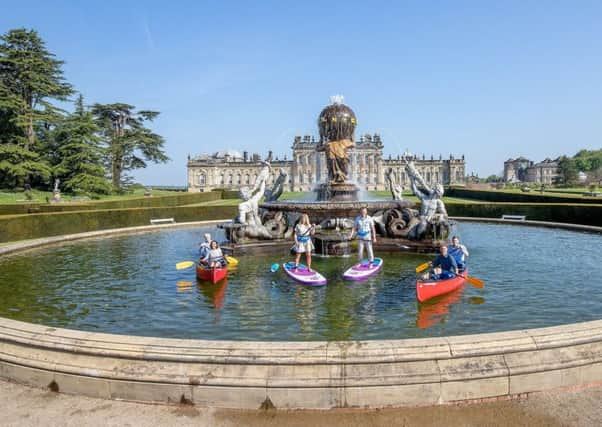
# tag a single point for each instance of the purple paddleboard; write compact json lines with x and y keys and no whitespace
{"x":303,"y":275}
{"x":363,"y":270}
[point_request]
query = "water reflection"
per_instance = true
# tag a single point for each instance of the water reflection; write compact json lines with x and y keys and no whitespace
{"x":434,"y":311}
{"x":126,"y":284}
{"x":214,"y":293}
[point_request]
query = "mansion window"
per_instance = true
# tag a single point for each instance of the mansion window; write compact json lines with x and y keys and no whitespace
{"x":202,"y":179}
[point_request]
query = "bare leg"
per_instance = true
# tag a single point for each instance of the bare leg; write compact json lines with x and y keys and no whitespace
{"x":308,"y":259}
{"x":297,"y":257}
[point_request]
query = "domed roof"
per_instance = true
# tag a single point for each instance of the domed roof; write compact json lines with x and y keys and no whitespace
{"x":231,"y":153}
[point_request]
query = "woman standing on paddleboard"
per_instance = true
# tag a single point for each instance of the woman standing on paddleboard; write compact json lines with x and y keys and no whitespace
{"x":303,"y":232}
{"x":366,"y":234}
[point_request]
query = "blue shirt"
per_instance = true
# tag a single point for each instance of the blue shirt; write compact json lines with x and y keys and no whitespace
{"x":447,"y":263}
{"x":364,"y":227}
{"x":456,"y":252}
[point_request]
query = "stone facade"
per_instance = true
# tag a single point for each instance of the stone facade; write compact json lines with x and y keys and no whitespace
{"x":524,"y":170}
{"x":232,"y":170}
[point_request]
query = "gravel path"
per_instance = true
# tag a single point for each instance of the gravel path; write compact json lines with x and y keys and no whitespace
{"x":25,"y":406}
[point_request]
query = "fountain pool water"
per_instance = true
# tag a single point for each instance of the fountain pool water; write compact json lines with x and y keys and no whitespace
{"x":128,"y":285}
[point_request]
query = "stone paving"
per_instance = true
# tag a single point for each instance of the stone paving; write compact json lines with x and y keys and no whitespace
{"x":25,"y":406}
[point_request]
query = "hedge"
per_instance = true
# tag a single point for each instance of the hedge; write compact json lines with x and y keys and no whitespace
{"x":139,"y":202}
{"x":568,"y":213}
{"x":503,"y":196}
{"x":20,"y":227}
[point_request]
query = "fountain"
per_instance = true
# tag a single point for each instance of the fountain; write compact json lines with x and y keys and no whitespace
{"x":268,"y":225}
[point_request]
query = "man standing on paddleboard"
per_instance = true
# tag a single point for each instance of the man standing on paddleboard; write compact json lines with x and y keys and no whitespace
{"x":366,"y":234}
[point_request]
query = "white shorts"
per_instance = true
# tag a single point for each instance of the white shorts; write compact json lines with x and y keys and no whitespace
{"x":302,"y":247}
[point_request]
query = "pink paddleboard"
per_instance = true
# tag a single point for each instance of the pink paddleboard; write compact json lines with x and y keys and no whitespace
{"x":303,"y":275}
{"x":363,"y":270}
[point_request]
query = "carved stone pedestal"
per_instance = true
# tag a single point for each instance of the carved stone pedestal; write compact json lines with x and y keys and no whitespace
{"x":337,"y":192}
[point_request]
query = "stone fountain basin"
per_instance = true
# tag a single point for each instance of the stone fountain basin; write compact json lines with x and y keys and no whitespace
{"x":241,"y":374}
{"x":319,"y":211}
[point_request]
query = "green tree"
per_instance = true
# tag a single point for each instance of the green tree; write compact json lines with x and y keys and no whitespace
{"x":587,"y":160}
{"x":493,"y":178}
{"x":567,"y":170}
{"x":130,"y":144}
{"x":30,"y":77}
{"x":79,"y":153}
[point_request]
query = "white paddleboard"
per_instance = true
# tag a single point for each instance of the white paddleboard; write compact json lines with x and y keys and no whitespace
{"x":362,"y":270}
{"x":303,"y":275}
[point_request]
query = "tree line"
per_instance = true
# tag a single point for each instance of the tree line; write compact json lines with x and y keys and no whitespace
{"x":90,"y":150}
{"x":587,"y":161}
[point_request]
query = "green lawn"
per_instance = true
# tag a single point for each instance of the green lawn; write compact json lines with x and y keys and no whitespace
{"x":220,"y":202}
{"x":297,"y":195}
{"x":560,"y":192}
{"x":41,"y":196}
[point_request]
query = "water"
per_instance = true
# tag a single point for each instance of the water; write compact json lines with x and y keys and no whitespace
{"x":128,"y":285}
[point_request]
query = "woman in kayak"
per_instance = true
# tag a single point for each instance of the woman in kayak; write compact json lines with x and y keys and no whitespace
{"x":303,"y":232}
{"x":215,"y":257}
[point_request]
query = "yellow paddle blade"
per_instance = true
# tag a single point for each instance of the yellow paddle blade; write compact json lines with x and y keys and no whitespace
{"x":423,"y":267}
{"x":231,"y":260}
{"x":184,"y":264}
{"x":477,"y":283}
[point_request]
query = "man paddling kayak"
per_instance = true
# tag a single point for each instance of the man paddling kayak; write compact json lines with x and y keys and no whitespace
{"x":447,"y":263}
{"x":459,"y":252}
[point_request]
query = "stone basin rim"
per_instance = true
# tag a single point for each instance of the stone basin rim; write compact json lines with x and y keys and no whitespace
{"x":299,"y":374}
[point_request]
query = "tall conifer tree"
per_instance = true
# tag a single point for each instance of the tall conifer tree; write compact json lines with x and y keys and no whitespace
{"x":79,"y":153}
{"x":30,"y":77}
{"x":130,"y":144}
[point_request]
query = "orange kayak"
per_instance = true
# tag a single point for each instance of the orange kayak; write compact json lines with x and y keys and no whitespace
{"x":427,"y":289}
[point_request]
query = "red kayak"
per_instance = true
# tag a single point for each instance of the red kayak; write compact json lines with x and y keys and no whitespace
{"x":212,"y":275}
{"x":427,"y":289}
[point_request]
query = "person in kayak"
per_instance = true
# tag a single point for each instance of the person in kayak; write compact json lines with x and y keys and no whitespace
{"x":204,"y":247}
{"x":215,"y":257}
{"x":303,"y":244}
{"x":363,"y":226}
{"x":459,"y":252}
{"x":446,"y":263}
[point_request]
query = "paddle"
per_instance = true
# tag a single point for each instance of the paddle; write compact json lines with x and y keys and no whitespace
{"x":274,"y":268}
{"x":231,"y":260}
{"x":477,"y":283}
{"x":423,"y":267}
{"x":184,"y":264}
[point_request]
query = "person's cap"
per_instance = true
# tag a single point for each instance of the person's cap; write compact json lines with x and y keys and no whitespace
{"x":207,"y":236}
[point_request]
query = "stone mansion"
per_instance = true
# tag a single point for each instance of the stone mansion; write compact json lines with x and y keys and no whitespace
{"x":232,"y":170}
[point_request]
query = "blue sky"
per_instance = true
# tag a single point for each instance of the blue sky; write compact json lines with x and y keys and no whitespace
{"x":489,"y":80}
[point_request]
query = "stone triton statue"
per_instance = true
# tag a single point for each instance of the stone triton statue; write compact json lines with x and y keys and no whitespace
{"x":337,"y":124}
{"x":248,"y":210}
{"x":433,"y":215}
